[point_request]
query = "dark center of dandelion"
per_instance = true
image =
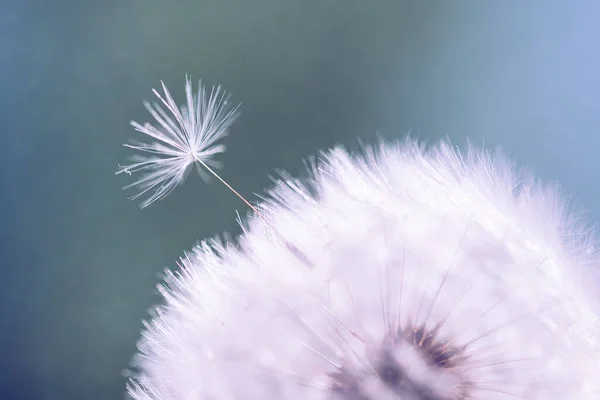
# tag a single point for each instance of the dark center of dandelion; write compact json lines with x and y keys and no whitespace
{"x":436,"y":352}
{"x":396,"y":373}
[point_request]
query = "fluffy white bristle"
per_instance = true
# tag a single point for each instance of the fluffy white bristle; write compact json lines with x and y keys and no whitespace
{"x":405,"y":273}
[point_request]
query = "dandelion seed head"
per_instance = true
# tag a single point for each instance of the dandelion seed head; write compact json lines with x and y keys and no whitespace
{"x":182,"y":136}
{"x":434,"y":275}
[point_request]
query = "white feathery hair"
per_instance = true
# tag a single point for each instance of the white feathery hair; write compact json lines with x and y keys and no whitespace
{"x":186,"y":135}
{"x":426,"y":274}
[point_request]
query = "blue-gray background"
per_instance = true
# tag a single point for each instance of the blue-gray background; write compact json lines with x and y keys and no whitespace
{"x":80,"y":262}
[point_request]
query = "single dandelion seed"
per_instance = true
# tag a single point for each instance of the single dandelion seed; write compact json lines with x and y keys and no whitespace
{"x":187,"y":136}
{"x":184,"y":136}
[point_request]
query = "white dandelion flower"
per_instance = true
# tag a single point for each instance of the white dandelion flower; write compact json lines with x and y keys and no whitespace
{"x":183,"y":136}
{"x":432,"y":276}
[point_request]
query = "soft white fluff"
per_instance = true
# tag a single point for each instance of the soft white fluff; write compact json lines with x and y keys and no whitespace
{"x":326,"y":304}
{"x":184,"y":136}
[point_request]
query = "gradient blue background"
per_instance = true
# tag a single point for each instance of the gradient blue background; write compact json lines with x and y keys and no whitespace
{"x":80,"y":262}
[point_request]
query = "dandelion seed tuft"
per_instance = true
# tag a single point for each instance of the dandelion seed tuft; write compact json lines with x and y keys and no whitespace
{"x":183,"y":136}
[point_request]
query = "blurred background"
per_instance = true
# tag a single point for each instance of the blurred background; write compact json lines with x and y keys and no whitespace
{"x":80,"y":262}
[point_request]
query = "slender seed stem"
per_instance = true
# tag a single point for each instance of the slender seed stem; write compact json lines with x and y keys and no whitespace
{"x":299,"y":254}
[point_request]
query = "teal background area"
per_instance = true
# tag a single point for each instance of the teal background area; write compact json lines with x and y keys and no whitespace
{"x":80,"y":262}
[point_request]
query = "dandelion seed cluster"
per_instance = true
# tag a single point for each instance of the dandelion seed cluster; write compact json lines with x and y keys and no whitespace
{"x":405,"y":273}
{"x":426,"y":274}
